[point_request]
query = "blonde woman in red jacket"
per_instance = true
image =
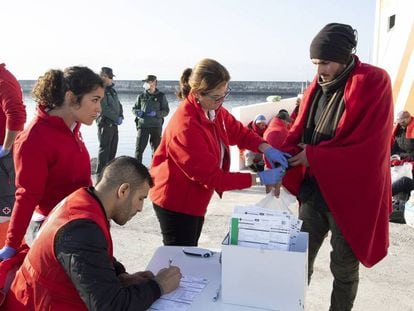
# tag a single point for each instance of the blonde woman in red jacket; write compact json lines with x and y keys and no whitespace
{"x":193,"y":159}
{"x":50,"y":157}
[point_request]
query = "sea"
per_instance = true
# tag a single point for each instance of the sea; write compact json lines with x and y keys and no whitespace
{"x":245,"y":93}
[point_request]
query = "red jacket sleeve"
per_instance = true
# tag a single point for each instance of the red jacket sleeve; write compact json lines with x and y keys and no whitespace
{"x":239,"y":135}
{"x":11,"y":101}
{"x":31,"y":175}
{"x":197,"y":160}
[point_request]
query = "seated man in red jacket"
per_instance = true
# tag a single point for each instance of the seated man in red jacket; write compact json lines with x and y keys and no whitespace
{"x":277,"y":129}
{"x":403,"y":137}
{"x":276,"y":132}
{"x":71,"y":266}
{"x":254,"y":160}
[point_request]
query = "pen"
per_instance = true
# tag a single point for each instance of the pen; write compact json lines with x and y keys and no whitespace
{"x":169,"y":262}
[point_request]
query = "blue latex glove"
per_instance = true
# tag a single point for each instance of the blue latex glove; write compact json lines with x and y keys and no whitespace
{"x":3,"y":152}
{"x":273,"y":155}
{"x":151,"y":114}
{"x":139,"y":113}
{"x":119,"y":121}
{"x":7,"y":252}
{"x":271,"y":177}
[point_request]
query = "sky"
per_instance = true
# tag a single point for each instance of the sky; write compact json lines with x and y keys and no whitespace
{"x":256,"y":40}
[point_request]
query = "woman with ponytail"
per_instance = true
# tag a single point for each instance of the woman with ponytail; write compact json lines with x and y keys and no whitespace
{"x":50,"y":157}
{"x":193,"y":159}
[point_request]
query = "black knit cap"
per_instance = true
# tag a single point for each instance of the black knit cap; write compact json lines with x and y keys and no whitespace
{"x":335,"y":42}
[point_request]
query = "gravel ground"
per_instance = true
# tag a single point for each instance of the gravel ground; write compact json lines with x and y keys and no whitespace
{"x":388,"y":286}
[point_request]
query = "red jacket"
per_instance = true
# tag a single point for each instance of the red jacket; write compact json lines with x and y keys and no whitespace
{"x":275,"y":135}
{"x":12,"y":109}
{"x":51,"y":162}
{"x":253,"y":127}
{"x":294,"y":113}
{"x":186,"y":166}
{"x":358,"y":193}
{"x":41,"y":283}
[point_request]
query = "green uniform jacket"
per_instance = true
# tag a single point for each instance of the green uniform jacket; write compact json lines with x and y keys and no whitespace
{"x":148,"y":103}
{"x":111,"y":108}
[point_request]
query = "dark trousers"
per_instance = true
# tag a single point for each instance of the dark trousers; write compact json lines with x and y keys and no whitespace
{"x":7,"y":184}
{"x":404,"y":185}
{"x":317,"y":220}
{"x":153,"y":134}
{"x":108,"y":144}
{"x":179,"y":229}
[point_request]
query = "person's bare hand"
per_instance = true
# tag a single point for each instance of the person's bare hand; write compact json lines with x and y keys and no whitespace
{"x":168,"y":279}
{"x":274,"y":188}
{"x":268,"y":188}
{"x":299,"y":159}
{"x":302,"y":145}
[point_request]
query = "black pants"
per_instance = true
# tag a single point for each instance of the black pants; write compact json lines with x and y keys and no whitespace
{"x":7,"y":184}
{"x":404,"y":185}
{"x":179,"y":229}
{"x":317,"y":220}
{"x":153,"y":134}
{"x":108,"y":144}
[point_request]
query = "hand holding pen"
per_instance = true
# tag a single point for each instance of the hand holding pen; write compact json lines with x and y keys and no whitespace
{"x":169,"y":278}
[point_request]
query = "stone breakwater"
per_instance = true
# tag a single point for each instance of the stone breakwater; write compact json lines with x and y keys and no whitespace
{"x":283,"y":88}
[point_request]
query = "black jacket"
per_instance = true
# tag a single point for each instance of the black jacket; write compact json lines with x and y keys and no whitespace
{"x":81,"y":248}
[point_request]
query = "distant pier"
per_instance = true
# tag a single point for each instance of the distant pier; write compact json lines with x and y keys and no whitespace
{"x":283,"y":88}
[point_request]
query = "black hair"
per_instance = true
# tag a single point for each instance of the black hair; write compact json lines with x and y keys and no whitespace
{"x":50,"y":89}
{"x":125,"y":169}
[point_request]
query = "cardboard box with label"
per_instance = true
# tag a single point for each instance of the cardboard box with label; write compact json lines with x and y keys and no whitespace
{"x":263,"y":278}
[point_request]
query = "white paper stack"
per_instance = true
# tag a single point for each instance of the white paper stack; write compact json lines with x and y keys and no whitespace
{"x":264,"y":228}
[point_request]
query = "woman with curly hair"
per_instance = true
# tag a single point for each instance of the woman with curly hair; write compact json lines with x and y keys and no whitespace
{"x":50,"y":157}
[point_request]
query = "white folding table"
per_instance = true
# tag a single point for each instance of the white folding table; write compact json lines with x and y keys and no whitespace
{"x":209,"y":268}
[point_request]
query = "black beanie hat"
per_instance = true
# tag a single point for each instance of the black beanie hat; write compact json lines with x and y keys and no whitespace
{"x":335,"y":42}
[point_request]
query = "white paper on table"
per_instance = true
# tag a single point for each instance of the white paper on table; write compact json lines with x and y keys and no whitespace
{"x":181,"y":298}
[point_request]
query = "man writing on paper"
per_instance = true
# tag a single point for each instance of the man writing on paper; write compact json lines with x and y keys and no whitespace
{"x":71,"y":266}
{"x":346,"y":115}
